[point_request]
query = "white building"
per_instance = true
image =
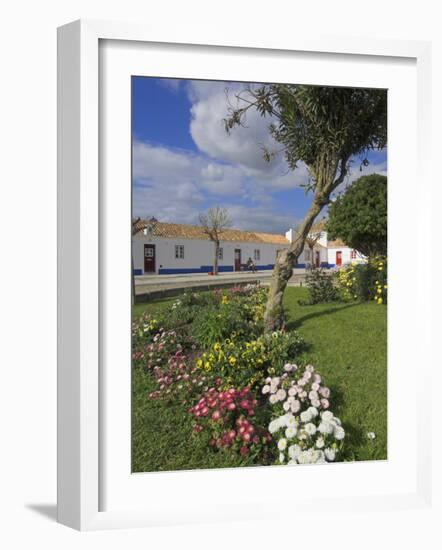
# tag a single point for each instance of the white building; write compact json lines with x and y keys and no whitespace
{"x":169,"y":248}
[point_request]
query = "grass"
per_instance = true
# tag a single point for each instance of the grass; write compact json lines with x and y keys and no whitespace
{"x":348,"y":347}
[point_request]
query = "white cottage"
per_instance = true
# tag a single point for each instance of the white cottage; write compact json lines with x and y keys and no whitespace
{"x":171,"y":248}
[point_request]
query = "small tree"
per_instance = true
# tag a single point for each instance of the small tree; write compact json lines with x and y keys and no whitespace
{"x":359,"y":216}
{"x":214,"y":223}
{"x":323,"y":127}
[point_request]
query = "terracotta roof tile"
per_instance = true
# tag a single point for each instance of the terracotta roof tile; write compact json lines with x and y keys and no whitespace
{"x":185,"y":231}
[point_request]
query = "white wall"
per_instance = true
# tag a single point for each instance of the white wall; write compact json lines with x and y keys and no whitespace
{"x":346,"y":255}
{"x":199,"y":253}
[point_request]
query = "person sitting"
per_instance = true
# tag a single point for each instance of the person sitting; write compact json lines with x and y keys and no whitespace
{"x":251,"y":265}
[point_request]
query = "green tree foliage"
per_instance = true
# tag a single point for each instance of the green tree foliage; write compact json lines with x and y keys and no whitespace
{"x":359,"y":216}
{"x":323,"y":127}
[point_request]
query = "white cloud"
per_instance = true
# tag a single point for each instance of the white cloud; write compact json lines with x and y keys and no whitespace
{"x":176,"y":185}
{"x":244,"y":145}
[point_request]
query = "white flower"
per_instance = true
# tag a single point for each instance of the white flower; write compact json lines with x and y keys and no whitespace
{"x":295,"y":406}
{"x":290,"y":432}
{"x":282,"y":444}
{"x":288,"y":367}
{"x":310,"y":368}
{"x":306,"y":416}
{"x":325,"y":428}
{"x":281,"y":457}
{"x":281,"y":394}
{"x":371,"y":435}
{"x":274,"y":426}
{"x":293,"y":391}
{"x":310,"y":428}
{"x":339,"y":433}
{"x":273,"y":399}
{"x":330,"y":454}
{"x":291,"y":421}
{"x":320,"y":442}
{"x":292,"y":462}
{"x":313,"y":396}
{"x":327,"y":416}
{"x":315,"y":386}
{"x":313,"y":412}
{"x":315,"y":402}
{"x":294,"y":451}
{"x":286,"y":405}
{"x":265,"y":389}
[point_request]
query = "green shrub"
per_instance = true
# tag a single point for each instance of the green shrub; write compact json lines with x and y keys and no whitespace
{"x":367,"y":281}
{"x":239,"y":363}
{"x":321,"y":285}
{"x":231,"y":320}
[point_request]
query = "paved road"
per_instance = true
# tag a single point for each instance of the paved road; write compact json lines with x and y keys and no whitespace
{"x":153,"y":283}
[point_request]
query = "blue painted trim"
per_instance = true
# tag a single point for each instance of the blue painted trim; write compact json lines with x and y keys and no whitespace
{"x":138,"y":271}
{"x":264,"y":267}
{"x":178,"y":271}
{"x":221,"y":268}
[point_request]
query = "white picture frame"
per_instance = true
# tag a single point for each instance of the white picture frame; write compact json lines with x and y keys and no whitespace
{"x":81,"y":294}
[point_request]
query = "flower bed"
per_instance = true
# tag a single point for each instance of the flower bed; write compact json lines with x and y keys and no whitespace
{"x":244,"y":394}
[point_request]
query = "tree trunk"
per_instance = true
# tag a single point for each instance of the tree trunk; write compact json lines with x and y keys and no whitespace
{"x":283,"y":270}
{"x":215,"y":261}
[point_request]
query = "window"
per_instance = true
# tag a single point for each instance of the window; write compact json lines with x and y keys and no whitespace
{"x":220,"y":253}
{"x":353,"y":254}
{"x":257,"y":254}
{"x":179,"y":252}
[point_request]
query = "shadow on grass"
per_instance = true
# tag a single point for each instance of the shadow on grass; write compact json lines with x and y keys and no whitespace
{"x":296,"y":323}
{"x":354,"y":435}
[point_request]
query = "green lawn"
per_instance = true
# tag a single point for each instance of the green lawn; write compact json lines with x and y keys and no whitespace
{"x":347,"y":346}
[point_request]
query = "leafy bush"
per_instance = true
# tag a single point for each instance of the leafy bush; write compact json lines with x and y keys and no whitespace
{"x":164,"y":345}
{"x":240,"y":363}
{"x":364,"y":281}
{"x":233,"y":318}
{"x":180,"y":381}
{"x":321,"y":286}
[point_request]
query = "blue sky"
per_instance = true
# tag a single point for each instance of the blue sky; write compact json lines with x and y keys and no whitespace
{"x":184,"y":162}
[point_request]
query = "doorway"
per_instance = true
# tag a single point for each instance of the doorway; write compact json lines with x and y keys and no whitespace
{"x":237,"y":259}
{"x":149,"y":258}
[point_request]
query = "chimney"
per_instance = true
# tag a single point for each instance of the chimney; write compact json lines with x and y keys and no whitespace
{"x":289,"y":235}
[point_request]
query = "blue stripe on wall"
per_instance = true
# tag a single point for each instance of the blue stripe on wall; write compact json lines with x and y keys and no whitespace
{"x":221,"y":268}
{"x":138,"y":271}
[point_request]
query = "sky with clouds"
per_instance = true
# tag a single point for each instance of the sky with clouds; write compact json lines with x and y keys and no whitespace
{"x":184,"y":162}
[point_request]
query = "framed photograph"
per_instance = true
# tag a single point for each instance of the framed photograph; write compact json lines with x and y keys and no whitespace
{"x":233,"y":273}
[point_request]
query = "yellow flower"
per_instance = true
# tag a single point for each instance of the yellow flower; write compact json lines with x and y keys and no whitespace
{"x":379,"y":290}
{"x":217,"y":347}
{"x":232,"y":360}
{"x":224,"y":300}
{"x":379,"y":300}
{"x":385,"y":286}
{"x":199,"y":363}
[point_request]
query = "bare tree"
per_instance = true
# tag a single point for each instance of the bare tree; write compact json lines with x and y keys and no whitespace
{"x":214,"y":223}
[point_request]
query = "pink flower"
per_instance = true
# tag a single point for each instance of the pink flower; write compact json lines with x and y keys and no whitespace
{"x":325,"y":403}
{"x":244,"y":451}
